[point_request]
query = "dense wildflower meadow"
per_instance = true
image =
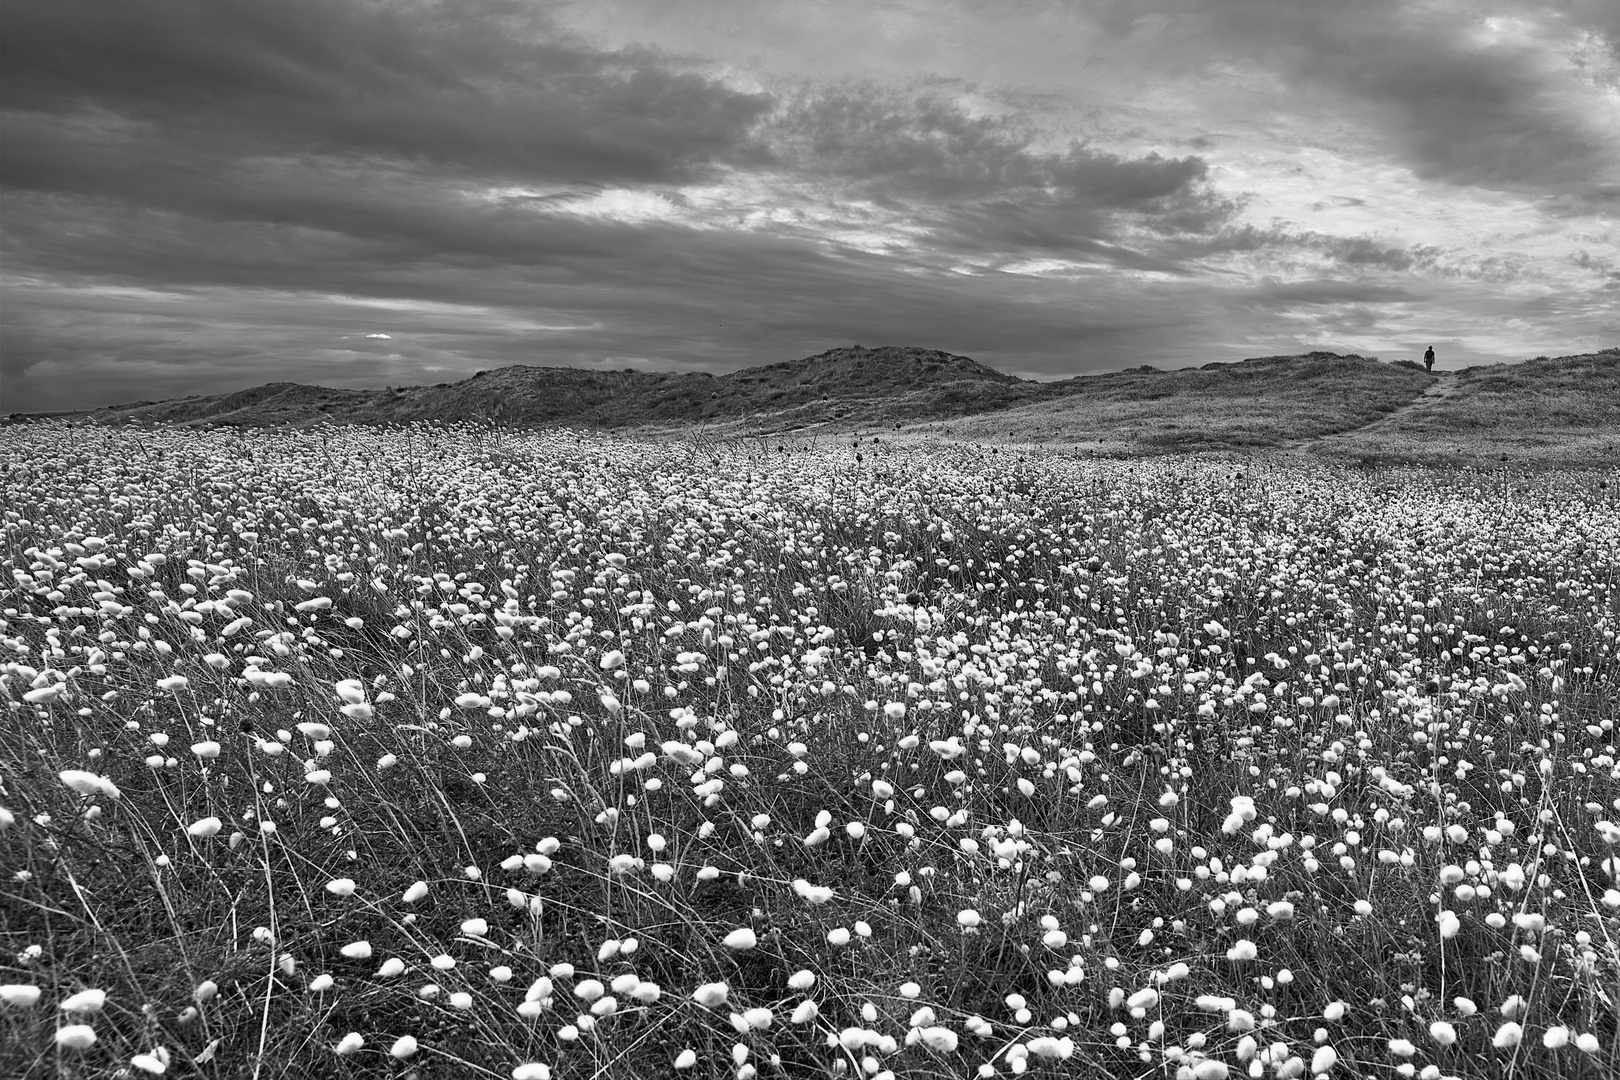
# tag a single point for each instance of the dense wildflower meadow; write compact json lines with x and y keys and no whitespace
{"x":449,"y":752}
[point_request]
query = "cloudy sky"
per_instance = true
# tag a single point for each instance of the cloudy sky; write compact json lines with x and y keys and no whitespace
{"x":201,"y":195}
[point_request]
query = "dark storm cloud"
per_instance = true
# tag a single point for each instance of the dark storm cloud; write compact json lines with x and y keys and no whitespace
{"x":985,"y":184}
{"x":481,"y":88}
{"x":922,"y":145}
{"x":367,"y":125}
{"x":1284,"y":244}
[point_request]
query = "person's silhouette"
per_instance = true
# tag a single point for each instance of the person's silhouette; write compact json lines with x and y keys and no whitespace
{"x":1428,"y":359}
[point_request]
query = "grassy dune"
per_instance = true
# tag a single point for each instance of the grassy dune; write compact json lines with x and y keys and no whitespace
{"x":1265,"y":402}
{"x":1553,"y":411}
{"x":1563,"y":411}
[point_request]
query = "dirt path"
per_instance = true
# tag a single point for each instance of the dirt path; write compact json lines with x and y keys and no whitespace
{"x":1445,"y":386}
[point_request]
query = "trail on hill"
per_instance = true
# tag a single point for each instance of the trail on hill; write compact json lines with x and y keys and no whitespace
{"x":1445,"y":386}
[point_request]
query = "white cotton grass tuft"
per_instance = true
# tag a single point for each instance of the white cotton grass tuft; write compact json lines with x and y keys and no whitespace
{"x":741,"y":939}
{"x":1242,"y":950}
{"x":711,"y":995}
{"x":405,"y":1046}
{"x":19,"y":995}
{"x":75,"y":1036}
{"x":84,"y":1003}
{"x":154,"y":1062}
{"x":350,"y":691}
{"x":89,"y":784}
{"x":812,"y":894}
{"x":1145,"y":998}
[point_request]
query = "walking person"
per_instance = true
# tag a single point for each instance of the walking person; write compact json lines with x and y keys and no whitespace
{"x":1428,"y":360}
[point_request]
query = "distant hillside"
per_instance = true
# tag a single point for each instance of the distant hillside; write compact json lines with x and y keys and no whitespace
{"x":1543,"y":395}
{"x":1550,"y":411}
{"x":1564,"y":409}
{"x":1268,"y":401}
{"x":843,"y":386}
{"x":1554,"y":410}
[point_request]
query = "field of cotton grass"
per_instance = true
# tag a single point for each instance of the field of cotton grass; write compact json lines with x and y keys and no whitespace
{"x":457,"y":753}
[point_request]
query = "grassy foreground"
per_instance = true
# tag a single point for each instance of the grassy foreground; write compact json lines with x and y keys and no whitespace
{"x":447,"y":753}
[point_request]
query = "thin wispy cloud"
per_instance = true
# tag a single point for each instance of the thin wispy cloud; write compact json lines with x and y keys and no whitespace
{"x":201,"y":195}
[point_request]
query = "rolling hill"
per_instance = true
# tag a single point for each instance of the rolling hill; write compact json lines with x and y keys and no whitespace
{"x":1267,"y":401}
{"x":1547,"y":409}
{"x":851,"y":385}
{"x":1551,"y":410}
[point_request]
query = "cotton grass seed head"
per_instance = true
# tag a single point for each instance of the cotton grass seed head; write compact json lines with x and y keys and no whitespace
{"x":19,"y":995}
{"x":711,"y":995}
{"x":84,"y":1003}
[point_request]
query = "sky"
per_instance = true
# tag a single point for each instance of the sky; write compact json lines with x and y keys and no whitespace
{"x":202,"y":195}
